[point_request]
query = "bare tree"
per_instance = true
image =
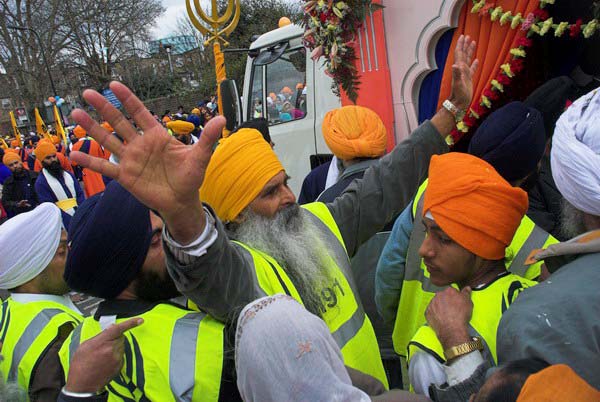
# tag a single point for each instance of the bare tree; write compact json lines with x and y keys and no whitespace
{"x":26,"y":77}
{"x":104,"y":31}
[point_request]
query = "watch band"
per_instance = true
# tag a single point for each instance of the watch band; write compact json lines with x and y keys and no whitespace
{"x":454,"y":110}
{"x":463,"y":349}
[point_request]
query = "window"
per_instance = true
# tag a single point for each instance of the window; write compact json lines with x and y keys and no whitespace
{"x":285,"y":82}
{"x":256,"y":109}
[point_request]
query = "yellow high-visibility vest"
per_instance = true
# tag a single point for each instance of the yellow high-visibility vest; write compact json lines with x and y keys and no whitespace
{"x":176,"y":355}
{"x":417,"y":289}
{"x":26,"y":332}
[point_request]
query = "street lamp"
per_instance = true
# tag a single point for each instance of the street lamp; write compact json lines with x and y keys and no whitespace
{"x":39,"y":40}
{"x":168,"y":49}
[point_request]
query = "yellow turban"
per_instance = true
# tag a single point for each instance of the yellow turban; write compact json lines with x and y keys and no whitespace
{"x":238,"y":171}
{"x":79,"y":132}
{"x":473,"y":204}
{"x":10,"y":157}
{"x":354,"y":132}
{"x":14,"y":143}
{"x":180,"y":127}
{"x":196,"y":111}
{"x":44,"y":148}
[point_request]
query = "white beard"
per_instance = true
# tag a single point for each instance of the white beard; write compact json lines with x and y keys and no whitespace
{"x":292,"y":240}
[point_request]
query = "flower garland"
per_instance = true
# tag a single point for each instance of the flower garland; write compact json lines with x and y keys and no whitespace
{"x":538,"y":22}
{"x":330,"y":31}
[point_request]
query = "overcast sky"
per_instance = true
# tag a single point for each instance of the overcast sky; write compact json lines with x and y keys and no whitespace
{"x":165,"y":25}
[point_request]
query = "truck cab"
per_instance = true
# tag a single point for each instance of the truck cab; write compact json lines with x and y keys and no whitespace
{"x":279,"y":85}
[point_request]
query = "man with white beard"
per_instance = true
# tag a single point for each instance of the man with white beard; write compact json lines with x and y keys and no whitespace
{"x":302,"y":252}
{"x":557,"y":320}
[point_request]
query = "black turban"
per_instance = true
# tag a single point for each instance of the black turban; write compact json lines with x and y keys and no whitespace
{"x":512,"y":140}
{"x":109,"y":237}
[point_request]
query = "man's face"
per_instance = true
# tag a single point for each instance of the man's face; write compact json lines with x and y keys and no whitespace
{"x":153,"y":282}
{"x":447,"y":262}
{"x":48,"y":160}
{"x":16,"y":166}
{"x":53,"y":281}
{"x":275,"y":196}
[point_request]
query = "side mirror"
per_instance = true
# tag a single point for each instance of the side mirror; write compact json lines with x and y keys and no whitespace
{"x":232,"y":109}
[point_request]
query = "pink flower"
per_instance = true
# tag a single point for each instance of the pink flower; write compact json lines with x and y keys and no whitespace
{"x":317,"y":53}
{"x":528,"y":22}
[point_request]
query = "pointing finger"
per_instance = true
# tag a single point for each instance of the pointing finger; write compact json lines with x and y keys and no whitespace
{"x":116,"y":330}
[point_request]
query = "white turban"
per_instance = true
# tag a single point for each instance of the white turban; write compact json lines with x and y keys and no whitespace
{"x":576,"y":154}
{"x":29,"y":242}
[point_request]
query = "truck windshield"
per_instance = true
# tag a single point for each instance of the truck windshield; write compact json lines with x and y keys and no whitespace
{"x":285,"y":81}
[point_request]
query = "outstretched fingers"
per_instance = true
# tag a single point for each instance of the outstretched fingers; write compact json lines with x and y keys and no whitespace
{"x":99,"y":165}
{"x":104,"y":138}
{"x":211,"y":133}
{"x":109,"y":113}
{"x":136,"y":109}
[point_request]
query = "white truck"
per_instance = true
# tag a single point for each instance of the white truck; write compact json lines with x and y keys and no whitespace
{"x":396,"y":49}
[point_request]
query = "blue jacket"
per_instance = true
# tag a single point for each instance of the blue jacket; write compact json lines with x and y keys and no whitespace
{"x":45,"y":194}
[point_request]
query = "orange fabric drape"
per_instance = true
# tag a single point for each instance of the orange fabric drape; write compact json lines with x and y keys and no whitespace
{"x":494,"y":42}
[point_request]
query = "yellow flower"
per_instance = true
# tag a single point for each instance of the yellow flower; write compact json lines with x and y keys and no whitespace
{"x":546,"y":26}
{"x":560,"y":29}
{"x":505,"y":18}
{"x":497,"y":85}
{"x":496,"y":13}
{"x":506,"y":69}
{"x":486,"y":102}
{"x":475,"y":115}
{"x":462,"y":127}
{"x":449,"y":140}
{"x":478,"y":6}
{"x":516,"y":21}
{"x":518,"y":52}
{"x":590,"y":28}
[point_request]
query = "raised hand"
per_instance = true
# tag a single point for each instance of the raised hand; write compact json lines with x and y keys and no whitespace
{"x":463,"y":70}
{"x":98,"y":360}
{"x":160,"y":171}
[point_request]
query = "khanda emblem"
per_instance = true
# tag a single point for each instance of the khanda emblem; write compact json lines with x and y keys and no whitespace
{"x":219,"y":26}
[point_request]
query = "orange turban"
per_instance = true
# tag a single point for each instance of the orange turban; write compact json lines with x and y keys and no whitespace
{"x":354,"y":132}
{"x":55,"y":139}
{"x":557,"y":383}
{"x":106,"y":125}
{"x":79,"y":132}
{"x":473,"y":204}
{"x":238,"y":171}
{"x":44,"y":148}
{"x":286,"y":90}
{"x":180,"y":127}
{"x":272,"y":96}
{"x":14,"y":143}
{"x":195,"y":111}
{"x":10,"y":157}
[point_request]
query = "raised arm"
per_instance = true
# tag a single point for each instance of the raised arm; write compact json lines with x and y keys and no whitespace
{"x":387,"y":187}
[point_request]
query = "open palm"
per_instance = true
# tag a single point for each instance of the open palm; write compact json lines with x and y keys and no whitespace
{"x":157,"y":169}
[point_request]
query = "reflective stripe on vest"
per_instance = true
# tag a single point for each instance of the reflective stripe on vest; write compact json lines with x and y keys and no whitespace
{"x":342,"y":310}
{"x":417,"y":289}
{"x":28,"y":329}
{"x":176,"y":355}
{"x":489,"y":303}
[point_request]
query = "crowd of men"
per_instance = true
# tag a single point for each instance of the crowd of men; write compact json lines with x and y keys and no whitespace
{"x":217,"y":285}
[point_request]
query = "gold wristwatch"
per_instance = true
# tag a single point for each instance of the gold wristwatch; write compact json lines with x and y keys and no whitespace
{"x":463,"y":349}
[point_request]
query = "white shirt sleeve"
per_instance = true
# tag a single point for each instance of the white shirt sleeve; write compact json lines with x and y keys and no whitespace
{"x":463,"y":367}
{"x":424,"y":370}
{"x":187,"y":254}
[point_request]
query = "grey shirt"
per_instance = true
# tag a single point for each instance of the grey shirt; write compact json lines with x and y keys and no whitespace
{"x":558,"y":320}
{"x":222,"y":281}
